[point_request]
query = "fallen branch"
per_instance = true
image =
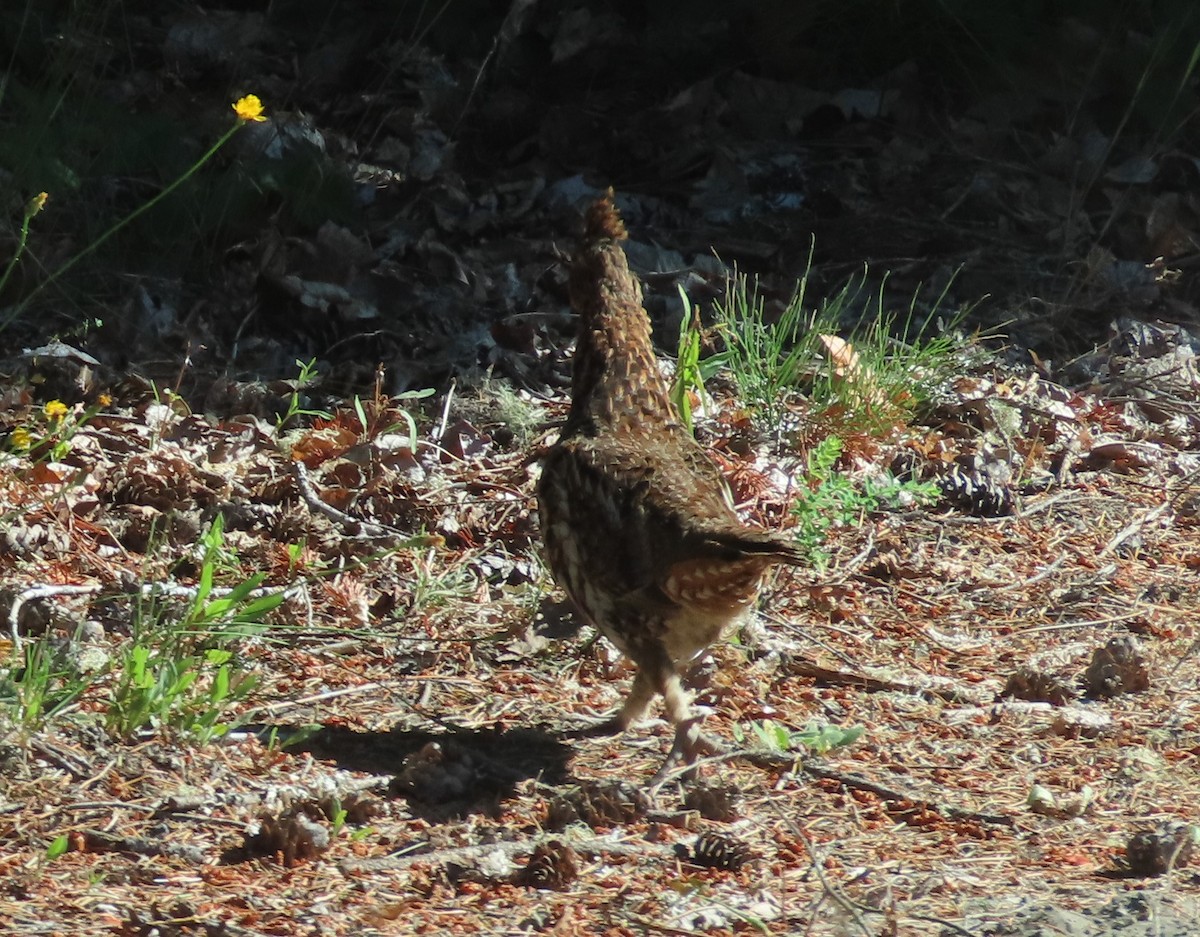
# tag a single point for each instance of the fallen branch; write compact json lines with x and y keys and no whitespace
{"x":354,"y":525}
{"x":793,"y":762}
{"x":467,"y":855}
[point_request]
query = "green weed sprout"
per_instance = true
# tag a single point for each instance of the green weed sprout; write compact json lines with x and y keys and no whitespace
{"x":831,"y":500}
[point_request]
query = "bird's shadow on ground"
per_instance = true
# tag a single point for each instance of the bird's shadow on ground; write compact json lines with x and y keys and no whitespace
{"x":443,"y":774}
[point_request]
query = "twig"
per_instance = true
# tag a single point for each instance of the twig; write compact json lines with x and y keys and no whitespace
{"x":858,"y":782}
{"x":1020,"y":515}
{"x":1045,"y":573}
{"x":353,"y":524}
{"x":80,"y":768}
{"x":150,"y":590}
{"x":445,"y":420}
{"x":793,"y":762}
{"x":275,"y":708}
{"x":657,"y":928}
{"x":40,"y":592}
{"x":1134,"y":527}
{"x":105,"y":805}
{"x":105,"y":842}
{"x":848,"y":904}
{"x":855,"y":563}
{"x":462,"y":855}
{"x":1086,"y":623}
{"x":873,"y":684}
{"x":835,"y":893}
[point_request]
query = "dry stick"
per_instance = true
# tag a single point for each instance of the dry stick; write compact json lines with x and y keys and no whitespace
{"x":463,"y":855}
{"x":933,"y":919}
{"x":445,"y":420}
{"x":1134,"y":527}
{"x":1045,"y":573}
{"x":318,"y":506}
{"x":657,"y":928}
{"x":200,"y":818}
{"x":929,"y":918}
{"x":353,"y":524}
{"x":858,"y":782}
{"x":272,"y":709}
{"x":854,"y":564}
{"x":765,"y":759}
{"x":39,"y":592}
{"x":1024,"y":513}
{"x":98,"y":841}
{"x":1087,"y":623}
{"x":104,"y":805}
{"x":835,"y":893}
{"x":1151,"y":515}
{"x":78,"y":768}
{"x":872,"y":684}
{"x":851,"y":906}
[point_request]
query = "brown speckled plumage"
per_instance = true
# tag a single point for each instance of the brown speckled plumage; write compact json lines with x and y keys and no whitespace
{"x":635,"y":516}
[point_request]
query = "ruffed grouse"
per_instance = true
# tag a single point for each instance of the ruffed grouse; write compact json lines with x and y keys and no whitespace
{"x":636,"y":518}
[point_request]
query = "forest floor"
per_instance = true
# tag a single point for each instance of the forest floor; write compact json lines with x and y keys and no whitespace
{"x":372,"y":733}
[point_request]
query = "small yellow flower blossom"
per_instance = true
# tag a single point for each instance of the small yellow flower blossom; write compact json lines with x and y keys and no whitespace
{"x":20,"y":438}
{"x":35,"y":205}
{"x":105,"y":400}
{"x":55,"y":410}
{"x":249,"y":108}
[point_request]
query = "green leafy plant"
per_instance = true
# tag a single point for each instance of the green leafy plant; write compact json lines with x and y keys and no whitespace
{"x":689,"y":369}
{"x":306,"y":378}
{"x":338,"y":818}
{"x":274,"y":741}
{"x":43,"y":685}
{"x":889,"y":366}
{"x":178,"y":671}
{"x":406,"y":417}
{"x":181,"y":672}
{"x":169,"y":685}
{"x":830,"y":500}
{"x":877,"y":376}
{"x":819,"y":739}
{"x":58,"y":847}
{"x":766,"y":358}
{"x":434,"y":585}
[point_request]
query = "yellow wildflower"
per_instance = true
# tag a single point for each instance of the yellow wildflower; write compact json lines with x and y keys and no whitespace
{"x":35,"y":205}
{"x":105,"y":400}
{"x":20,"y":438}
{"x":55,"y":410}
{"x":249,"y":108}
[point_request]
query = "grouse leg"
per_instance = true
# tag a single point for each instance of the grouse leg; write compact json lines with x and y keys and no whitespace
{"x":689,"y":743}
{"x":641,"y":692}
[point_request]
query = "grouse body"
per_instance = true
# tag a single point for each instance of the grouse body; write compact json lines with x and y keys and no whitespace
{"x":635,"y":516}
